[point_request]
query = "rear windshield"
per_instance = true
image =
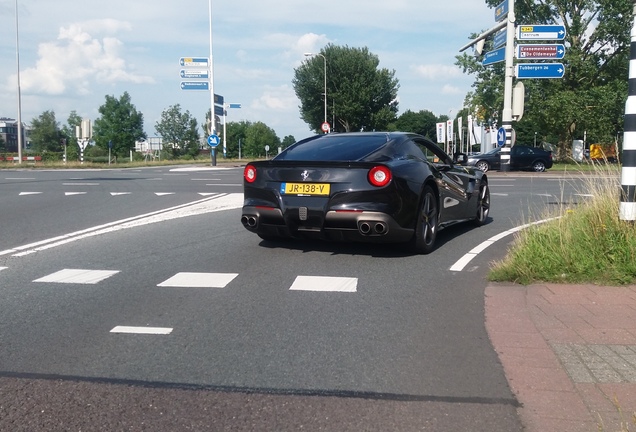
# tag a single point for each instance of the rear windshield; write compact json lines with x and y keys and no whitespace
{"x":334,"y":148}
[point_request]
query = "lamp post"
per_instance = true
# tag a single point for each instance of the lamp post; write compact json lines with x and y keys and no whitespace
{"x":325,"y":75}
{"x":17,"y":55}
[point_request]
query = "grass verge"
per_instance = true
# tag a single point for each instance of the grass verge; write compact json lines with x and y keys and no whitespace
{"x":585,"y":243}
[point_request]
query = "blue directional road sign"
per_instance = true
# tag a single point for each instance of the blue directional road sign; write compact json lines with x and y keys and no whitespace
{"x":541,"y":32}
{"x":193,"y":61}
{"x":495,"y":56}
{"x":500,"y":39}
{"x":540,"y":52}
{"x":219,"y":111}
{"x":539,"y":70}
{"x":234,"y":105}
{"x":214,"y":140}
{"x":195,"y":85}
{"x":194,"y":74}
{"x":501,"y":11}
{"x":501,"y":137}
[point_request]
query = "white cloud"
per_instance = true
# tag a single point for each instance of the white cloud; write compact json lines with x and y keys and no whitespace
{"x":437,"y":72}
{"x":77,"y":61}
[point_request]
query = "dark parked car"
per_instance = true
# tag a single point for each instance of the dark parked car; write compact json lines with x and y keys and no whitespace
{"x":364,"y":186}
{"x":521,"y":158}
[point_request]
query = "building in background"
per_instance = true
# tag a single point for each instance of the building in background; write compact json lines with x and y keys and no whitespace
{"x":9,"y":134}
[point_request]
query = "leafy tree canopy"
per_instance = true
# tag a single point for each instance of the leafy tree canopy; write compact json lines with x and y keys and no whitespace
{"x":45,"y":133}
{"x":178,"y":131}
{"x":120,"y":123}
{"x":360,"y":95}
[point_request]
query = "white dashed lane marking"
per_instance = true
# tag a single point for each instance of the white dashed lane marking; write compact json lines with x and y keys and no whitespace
{"x":78,"y":276}
{"x":199,"y":280}
{"x":142,"y":330}
{"x":325,"y":283}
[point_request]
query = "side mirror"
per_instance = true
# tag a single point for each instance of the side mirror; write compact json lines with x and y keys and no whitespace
{"x":460,"y":158}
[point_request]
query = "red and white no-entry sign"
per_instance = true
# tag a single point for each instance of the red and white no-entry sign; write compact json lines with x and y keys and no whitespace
{"x":325,"y":127}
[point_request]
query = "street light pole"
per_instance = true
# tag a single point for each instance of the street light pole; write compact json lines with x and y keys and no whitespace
{"x":325,"y":76}
{"x":17,"y":55}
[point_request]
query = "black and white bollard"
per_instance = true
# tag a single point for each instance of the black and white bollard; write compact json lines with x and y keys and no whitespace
{"x":627,"y":209}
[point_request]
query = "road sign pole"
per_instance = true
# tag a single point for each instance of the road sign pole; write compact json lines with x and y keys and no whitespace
{"x":211,"y":65}
{"x":506,"y":120}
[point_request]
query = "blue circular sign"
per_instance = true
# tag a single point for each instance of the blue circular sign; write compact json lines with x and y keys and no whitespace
{"x":501,"y":137}
{"x":214,"y":140}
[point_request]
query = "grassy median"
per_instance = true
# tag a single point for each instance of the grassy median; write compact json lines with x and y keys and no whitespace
{"x":584,"y":243}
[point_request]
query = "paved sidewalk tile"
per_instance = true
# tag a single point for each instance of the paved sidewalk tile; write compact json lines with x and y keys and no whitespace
{"x":568,"y":352}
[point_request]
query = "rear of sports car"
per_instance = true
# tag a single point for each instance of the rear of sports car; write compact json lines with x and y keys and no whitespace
{"x":354,"y":201}
{"x":339,"y":187}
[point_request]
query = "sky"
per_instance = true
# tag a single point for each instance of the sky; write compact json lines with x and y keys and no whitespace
{"x":73,"y":54}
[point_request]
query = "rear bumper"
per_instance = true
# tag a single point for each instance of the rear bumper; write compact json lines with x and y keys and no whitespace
{"x":361,"y":226}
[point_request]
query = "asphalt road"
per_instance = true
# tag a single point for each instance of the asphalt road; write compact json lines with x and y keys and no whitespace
{"x":135,"y":300}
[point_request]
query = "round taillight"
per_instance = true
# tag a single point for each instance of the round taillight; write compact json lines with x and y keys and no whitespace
{"x":250,"y":173}
{"x":379,"y":176}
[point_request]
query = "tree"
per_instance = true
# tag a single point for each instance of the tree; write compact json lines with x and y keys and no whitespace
{"x":590,"y":98}
{"x":236,"y":134}
{"x":257,"y":136}
{"x":45,"y":133}
{"x":423,"y":123}
{"x":179,"y":131}
{"x":120,"y":123}
{"x":68,"y":134}
{"x":287,"y":141}
{"x":359,"y":94}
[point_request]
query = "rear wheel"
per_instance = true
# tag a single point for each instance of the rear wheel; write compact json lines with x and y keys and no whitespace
{"x":427,"y":222}
{"x":538,"y":166}
{"x":483,"y":204}
{"x":482,"y":166}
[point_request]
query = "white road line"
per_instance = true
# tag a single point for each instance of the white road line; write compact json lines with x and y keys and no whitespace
{"x":78,"y":276}
{"x":199,"y":280}
{"x":199,"y":169}
{"x":74,"y":193}
{"x":119,"y":193}
{"x":80,"y":184}
{"x":202,"y":206}
{"x":325,"y":283}
{"x":29,"y":193}
{"x":3,"y":268}
{"x":463,"y":261}
{"x":164,"y":193}
{"x":142,"y":330}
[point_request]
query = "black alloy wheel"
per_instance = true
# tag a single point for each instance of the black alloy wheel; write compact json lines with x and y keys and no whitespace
{"x":427,"y":222}
{"x":483,"y":204}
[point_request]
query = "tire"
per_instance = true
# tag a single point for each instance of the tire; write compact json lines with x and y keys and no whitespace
{"x":482,"y":165}
{"x":538,"y":166}
{"x":426,"y":222}
{"x":483,"y":204}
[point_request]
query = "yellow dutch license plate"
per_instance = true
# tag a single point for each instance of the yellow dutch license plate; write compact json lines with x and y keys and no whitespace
{"x":305,"y":188}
